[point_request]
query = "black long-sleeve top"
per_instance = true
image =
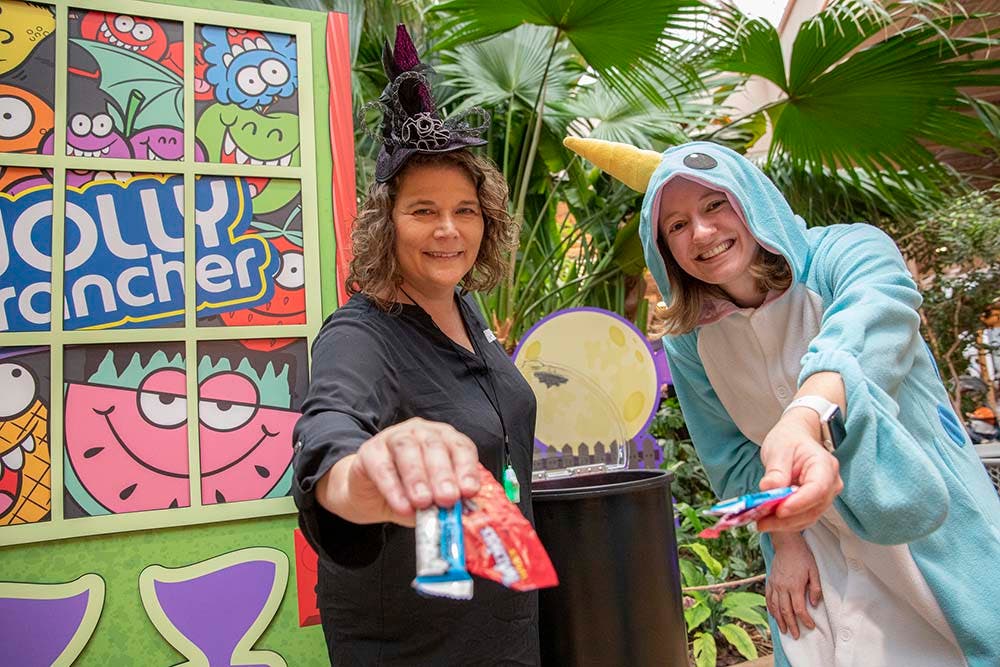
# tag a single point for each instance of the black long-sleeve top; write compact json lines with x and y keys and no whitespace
{"x":372,"y":369}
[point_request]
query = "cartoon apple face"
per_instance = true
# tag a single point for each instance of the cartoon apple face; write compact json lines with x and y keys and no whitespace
{"x":132,"y":33}
{"x":287,"y":306}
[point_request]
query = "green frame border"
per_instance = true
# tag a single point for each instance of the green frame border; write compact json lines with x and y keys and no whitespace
{"x":315,"y":167}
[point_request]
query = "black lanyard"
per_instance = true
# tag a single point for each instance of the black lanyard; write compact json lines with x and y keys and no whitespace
{"x":495,"y":400}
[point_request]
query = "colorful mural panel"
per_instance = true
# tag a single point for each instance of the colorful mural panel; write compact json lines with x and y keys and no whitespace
{"x":247,"y":103}
{"x":27,"y":77}
{"x":168,"y":500}
{"x":248,"y":403}
{"x":127,"y":262}
{"x":287,"y":305}
{"x":125,"y":83}
{"x":25,"y":458}
{"x":25,"y":249}
{"x":127,"y":449}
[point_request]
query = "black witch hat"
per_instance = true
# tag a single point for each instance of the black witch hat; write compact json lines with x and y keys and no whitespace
{"x":410,"y":121}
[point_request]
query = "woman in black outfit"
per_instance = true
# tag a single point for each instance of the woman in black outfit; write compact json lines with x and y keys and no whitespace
{"x":410,"y":391}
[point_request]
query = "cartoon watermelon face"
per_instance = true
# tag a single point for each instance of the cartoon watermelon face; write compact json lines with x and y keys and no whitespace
{"x":245,"y":447}
{"x":128,"y":448}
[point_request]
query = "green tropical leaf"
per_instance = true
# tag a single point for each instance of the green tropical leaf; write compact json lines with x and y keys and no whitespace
{"x":627,"y":250}
{"x":749,"y":615}
{"x":623,"y":41}
{"x":713,"y":565}
{"x":824,"y":196}
{"x":853,"y":100}
{"x":602,"y":114}
{"x":740,"y":640}
{"x":696,"y":615}
{"x":754,"y":49}
{"x":507,"y":68}
{"x":743,"y":599}
{"x":690,"y":574}
{"x":705,"y":650}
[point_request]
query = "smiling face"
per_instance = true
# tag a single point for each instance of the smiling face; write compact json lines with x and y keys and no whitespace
{"x":439,"y":227}
{"x":158,"y":143}
{"x":132,"y":33}
{"x":95,"y":136}
{"x":129,"y":447}
{"x":708,"y":239}
{"x":24,"y":448}
{"x":250,"y":68}
{"x":236,"y":136}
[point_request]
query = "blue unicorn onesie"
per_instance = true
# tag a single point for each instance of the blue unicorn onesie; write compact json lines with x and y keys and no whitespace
{"x":909,"y":554}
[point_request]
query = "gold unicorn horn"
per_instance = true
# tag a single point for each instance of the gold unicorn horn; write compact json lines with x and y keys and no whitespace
{"x":630,"y":165}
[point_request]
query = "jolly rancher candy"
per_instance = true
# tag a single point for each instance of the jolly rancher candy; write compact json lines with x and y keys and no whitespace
{"x":745,"y":509}
{"x":495,"y":542}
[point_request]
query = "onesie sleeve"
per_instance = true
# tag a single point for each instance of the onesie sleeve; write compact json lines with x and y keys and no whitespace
{"x":870,"y":335}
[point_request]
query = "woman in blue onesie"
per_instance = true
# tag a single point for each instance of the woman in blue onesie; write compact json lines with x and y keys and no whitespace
{"x":771,"y":323}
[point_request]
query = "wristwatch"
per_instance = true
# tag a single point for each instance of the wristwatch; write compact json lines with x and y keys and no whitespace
{"x":831,"y":421}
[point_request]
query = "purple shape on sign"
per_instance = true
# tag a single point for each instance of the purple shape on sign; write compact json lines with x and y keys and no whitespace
{"x":662,"y":368}
{"x":214,"y":611}
{"x":35,"y":632}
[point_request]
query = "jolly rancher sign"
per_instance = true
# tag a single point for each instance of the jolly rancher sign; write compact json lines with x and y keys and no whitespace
{"x":124,"y":250}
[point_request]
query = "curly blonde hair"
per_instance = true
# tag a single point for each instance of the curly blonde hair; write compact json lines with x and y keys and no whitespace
{"x":770,"y":271}
{"x":374,"y":270}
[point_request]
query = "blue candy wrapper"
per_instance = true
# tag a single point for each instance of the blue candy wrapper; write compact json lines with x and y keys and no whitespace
{"x":748,"y":501}
{"x":440,"y":545}
{"x":745,"y":510}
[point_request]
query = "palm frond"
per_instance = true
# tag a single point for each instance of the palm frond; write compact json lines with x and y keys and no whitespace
{"x":507,"y":68}
{"x":875,"y":107}
{"x":622,"y":40}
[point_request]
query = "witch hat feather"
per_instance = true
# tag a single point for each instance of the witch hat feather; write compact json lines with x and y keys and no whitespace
{"x":630,"y":165}
{"x":410,"y":120}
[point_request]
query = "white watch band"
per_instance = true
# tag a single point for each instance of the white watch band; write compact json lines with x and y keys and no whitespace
{"x":818,"y":404}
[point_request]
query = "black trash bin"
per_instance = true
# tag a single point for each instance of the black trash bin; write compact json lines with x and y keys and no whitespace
{"x":611,"y":539}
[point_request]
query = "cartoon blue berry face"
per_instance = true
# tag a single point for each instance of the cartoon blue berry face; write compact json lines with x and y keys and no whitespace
{"x":249,"y":68}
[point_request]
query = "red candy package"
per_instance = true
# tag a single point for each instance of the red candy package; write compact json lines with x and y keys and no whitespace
{"x":500,"y":544}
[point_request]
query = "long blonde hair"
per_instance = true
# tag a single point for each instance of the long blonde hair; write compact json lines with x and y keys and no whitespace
{"x":688,"y":294}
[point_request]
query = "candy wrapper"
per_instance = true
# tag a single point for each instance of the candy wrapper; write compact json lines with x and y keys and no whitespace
{"x":486,"y":535}
{"x":441,"y":554}
{"x":500,"y":544}
{"x":745,"y":509}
